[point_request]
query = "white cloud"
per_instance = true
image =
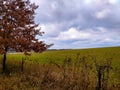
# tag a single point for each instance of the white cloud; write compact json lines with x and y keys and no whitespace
{"x":74,"y":37}
{"x":50,"y":29}
{"x":99,"y":34}
{"x":103,"y":13}
{"x":73,"y":34}
{"x":87,"y":1}
{"x":113,"y":1}
{"x":108,"y":40}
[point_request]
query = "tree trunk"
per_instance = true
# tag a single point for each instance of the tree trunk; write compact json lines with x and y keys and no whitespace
{"x":4,"y":61}
{"x":22,"y":65}
{"x":100,"y":73}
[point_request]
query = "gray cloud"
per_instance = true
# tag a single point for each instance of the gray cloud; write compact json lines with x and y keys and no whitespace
{"x":57,"y":17}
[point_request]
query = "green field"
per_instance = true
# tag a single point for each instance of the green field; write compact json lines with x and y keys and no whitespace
{"x":54,"y":68}
{"x":59,"y":55}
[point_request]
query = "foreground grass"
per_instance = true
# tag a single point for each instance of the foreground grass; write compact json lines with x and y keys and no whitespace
{"x":63,"y":70}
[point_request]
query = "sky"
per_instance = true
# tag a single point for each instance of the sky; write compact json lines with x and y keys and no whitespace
{"x":72,"y":24}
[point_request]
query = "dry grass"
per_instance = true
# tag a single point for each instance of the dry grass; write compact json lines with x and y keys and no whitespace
{"x":76,"y":74}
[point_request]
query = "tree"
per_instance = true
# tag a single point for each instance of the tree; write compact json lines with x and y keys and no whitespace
{"x":18,"y":30}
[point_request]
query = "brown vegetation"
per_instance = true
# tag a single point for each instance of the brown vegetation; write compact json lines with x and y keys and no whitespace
{"x":76,"y":74}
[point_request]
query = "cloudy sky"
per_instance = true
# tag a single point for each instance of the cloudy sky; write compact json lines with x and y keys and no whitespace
{"x":79,"y":23}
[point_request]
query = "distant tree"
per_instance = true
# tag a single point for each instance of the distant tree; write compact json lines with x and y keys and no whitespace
{"x":18,"y":30}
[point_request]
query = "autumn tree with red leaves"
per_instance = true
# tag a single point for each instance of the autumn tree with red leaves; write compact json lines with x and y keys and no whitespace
{"x":18,"y":30}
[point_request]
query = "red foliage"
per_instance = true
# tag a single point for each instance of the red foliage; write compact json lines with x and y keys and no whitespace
{"x":18,"y":30}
